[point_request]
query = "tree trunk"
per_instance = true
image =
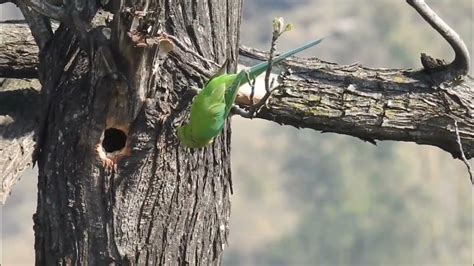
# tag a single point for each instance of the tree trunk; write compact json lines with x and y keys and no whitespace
{"x":114,"y":185}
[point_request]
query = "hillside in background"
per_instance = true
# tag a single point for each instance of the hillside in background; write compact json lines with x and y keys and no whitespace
{"x":306,"y":198}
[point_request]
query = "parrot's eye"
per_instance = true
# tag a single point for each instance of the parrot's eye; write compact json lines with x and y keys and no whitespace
{"x":114,"y":140}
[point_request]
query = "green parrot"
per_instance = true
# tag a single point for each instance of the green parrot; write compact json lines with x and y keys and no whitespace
{"x":212,"y":105}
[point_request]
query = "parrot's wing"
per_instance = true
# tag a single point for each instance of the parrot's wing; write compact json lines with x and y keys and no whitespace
{"x":216,"y":110}
{"x":210,"y":121}
{"x":211,"y":100}
{"x":231,"y":92}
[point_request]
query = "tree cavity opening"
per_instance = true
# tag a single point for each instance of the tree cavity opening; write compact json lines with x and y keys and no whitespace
{"x":114,"y":140}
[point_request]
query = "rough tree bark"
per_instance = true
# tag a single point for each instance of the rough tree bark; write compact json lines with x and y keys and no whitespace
{"x":18,"y":52}
{"x":116,"y":187}
{"x":373,"y":104}
{"x":18,"y":120}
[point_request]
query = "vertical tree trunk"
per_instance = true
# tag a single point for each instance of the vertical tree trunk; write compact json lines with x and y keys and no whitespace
{"x":149,"y":200}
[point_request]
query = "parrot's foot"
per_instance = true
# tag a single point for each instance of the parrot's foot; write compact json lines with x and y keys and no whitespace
{"x":191,"y":92}
{"x":194,"y":90}
{"x":236,"y":110}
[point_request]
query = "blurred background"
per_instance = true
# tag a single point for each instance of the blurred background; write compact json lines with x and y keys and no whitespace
{"x":306,"y":198}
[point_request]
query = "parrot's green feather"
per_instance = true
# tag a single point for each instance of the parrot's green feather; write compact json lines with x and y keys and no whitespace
{"x":212,"y":105}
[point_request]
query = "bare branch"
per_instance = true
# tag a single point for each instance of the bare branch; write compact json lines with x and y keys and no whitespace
{"x":47,"y":9}
{"x":461,"y":64}
{"x":252,"y":88}
{"x":40,"y":25}
{"x":270,"y":62}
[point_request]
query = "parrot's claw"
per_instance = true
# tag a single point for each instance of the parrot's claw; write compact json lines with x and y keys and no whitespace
{"x":236,"y":110}
{"x":194,"y":90}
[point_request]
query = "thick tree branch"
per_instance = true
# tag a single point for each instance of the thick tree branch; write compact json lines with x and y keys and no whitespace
{"x":372,"y":104}
{"x":19,"y":101}
{"x":381,"y":104}
{"x":76,"y":15}
{"x":40,"y":25}
{"x":18,"y":51}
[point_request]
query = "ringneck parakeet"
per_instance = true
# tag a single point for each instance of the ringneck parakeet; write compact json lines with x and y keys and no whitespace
{"x":213,"y":103}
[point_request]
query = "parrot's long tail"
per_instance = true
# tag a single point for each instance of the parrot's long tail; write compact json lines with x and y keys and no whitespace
{"x":258,"y":69}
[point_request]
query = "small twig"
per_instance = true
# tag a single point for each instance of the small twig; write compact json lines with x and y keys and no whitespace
{"x":270,"y":60}
{"x":461,"y":64}
{"x":271,"y":86}
{"x":255,"y":108}
{"x":279,"y":28}
{"x":463,"y":156}
{"x":272,"y":82}
{"x":252,"y":87}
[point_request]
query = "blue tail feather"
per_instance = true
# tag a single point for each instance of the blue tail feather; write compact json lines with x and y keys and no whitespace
{"x":258,"y":69}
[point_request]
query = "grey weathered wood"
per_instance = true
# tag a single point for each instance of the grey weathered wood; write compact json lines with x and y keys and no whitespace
{"x":18,"y":119}
{"x":373,"y":104}
{"x":18,"y":51}
{"x":161,"y":203}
